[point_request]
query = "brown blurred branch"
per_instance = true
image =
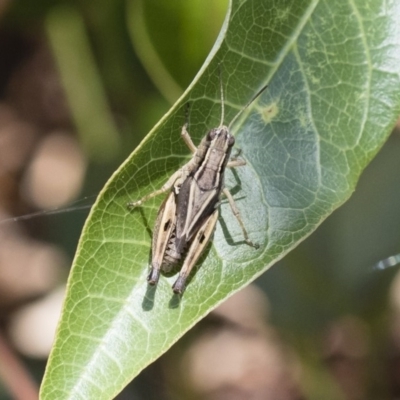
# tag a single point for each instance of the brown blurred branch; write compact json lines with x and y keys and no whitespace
{"x":3,"y":6}
{"x":14,"y":375}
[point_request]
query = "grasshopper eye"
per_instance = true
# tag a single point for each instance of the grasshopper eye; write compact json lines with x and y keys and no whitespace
{"x":231,"y":140}
{"x":211,"y":135}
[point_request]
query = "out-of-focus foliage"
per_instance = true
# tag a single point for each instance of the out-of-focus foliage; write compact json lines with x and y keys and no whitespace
{"x":325,"y":301}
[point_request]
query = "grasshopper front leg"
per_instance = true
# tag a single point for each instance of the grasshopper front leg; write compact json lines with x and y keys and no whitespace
{"x":187,"y":139}
{"x":174,"y":180}
{"x":177,"y":178}
{"x":235,"y":161}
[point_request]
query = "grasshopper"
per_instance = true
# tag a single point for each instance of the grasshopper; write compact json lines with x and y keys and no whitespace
{"x":187,"y":217}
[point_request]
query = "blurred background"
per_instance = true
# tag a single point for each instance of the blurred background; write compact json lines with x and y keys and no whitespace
{"x":81,"y":83}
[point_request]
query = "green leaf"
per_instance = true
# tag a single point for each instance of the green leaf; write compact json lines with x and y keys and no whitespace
{"x":333,"y":70}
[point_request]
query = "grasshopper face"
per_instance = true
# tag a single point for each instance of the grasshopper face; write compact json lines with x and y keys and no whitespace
{"x":220,"y":139}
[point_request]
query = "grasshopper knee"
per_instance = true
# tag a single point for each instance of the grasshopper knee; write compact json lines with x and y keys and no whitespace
{"x":252,"y":244}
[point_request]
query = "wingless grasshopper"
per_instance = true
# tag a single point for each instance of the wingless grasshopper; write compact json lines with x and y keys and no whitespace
{"x":187,"y":217}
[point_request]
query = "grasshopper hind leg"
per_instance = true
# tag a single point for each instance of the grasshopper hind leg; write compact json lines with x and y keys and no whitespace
{"x":164,"y":227}
{"x":196,"y":248}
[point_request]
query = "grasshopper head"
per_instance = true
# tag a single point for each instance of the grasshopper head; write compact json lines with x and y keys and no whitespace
{"x":220,"y":138}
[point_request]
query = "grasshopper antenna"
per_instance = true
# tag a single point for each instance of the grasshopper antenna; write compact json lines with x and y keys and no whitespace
{"x":222,"y":96}
{"x":247,"y":105}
